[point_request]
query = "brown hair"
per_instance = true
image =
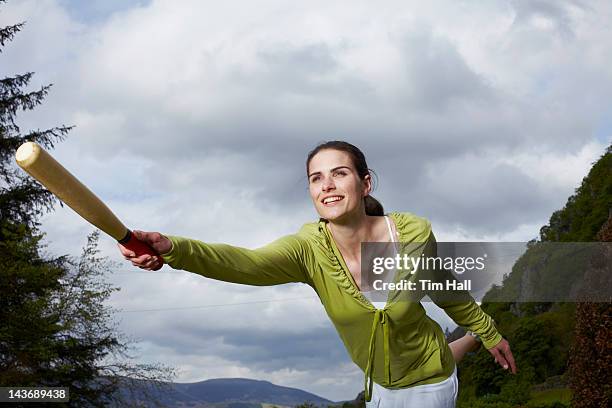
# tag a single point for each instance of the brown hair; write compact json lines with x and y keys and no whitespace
{"x":372,"y":205}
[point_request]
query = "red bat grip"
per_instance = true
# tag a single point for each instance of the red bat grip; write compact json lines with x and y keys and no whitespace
{"x":139,"y":247}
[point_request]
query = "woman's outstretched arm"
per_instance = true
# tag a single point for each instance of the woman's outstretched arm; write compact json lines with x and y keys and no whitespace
{"x":281,"y":261}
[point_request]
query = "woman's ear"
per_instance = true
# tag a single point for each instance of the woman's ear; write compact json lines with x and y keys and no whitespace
{"x":367,"y":183}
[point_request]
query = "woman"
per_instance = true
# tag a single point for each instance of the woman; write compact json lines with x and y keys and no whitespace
{"x":402,"y":352}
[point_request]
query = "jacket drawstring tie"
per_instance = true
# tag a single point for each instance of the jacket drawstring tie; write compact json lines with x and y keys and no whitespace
{"x":379,"y":316}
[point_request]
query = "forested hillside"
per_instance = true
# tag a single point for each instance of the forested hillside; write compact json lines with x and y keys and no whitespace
{"x":561,"y":348}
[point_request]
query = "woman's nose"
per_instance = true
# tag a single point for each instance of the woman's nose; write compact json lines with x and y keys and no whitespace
{"x":328,"y":185}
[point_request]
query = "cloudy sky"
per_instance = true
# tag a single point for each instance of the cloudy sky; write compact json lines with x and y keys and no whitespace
{"x":194,"y":118}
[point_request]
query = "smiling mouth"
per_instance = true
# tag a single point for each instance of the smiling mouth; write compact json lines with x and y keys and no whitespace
{"x":332,"y":200}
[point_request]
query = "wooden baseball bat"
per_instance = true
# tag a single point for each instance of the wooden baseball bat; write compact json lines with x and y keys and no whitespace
{"x":44,"y":168}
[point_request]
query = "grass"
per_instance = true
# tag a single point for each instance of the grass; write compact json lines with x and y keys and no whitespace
{"x":557,"y":394}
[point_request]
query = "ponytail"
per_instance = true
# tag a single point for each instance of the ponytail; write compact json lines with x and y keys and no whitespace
{"x":373,"y":206}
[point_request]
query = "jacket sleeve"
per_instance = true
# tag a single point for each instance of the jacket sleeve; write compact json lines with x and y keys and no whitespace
{"x":281,"y":261}
{"x":459,"y":304}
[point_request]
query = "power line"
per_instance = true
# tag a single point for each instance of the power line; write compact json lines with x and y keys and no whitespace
{"x":214,"y":305}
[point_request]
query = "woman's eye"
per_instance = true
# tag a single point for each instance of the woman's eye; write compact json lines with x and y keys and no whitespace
{"x":340,"y":173}
{"x":314,"y":179}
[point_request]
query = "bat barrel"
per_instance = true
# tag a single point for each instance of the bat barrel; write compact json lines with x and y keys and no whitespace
{"x":51,"y":174}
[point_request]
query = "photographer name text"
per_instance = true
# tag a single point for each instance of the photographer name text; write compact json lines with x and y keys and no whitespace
{"x":423,"y":284}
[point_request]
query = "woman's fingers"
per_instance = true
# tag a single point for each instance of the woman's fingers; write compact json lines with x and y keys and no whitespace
{"x":503,"y":355}
{"x":509,"y":358}
{"x":143,"y":261}
{"x":503,"y":362}
{"x":149,"y":262}
{"x":152,"y":262}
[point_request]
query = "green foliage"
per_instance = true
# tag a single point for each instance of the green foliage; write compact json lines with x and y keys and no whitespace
{"x":27,"y":286}
{"x":55,"y":328}
{"x":539,"y":334}
{"x":532,"y":344}
{"x":585,"y":211}
{"x":551,"y":398}
{"x":306,"y":405}
{"x":553,"y":404}
{"x":542,"y":334}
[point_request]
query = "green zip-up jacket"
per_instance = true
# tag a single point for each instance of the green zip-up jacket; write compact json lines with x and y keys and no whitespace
{"x":398,"y":346}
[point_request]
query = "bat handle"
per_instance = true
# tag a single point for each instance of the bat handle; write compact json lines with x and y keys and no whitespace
{"x":139,"y":247}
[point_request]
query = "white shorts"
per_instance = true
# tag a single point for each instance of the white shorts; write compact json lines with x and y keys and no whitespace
{"x":438,"y":395}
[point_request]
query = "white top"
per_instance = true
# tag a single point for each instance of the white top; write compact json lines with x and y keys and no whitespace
{"x":368,"y":295}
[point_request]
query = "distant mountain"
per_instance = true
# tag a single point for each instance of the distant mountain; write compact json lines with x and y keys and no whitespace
{"x":218,"y":393}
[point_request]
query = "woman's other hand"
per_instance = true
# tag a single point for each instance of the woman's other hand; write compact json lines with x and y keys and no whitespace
{"x":157,"y":241}
{"x":503,"y":355}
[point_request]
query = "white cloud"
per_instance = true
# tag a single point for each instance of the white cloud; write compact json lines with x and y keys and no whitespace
{"x":562,"y":170}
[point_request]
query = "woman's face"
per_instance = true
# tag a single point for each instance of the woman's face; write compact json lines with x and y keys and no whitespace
{"x":335,"y":187}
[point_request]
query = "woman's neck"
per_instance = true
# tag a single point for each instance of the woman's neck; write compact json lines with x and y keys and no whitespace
{"x":349,"y":235}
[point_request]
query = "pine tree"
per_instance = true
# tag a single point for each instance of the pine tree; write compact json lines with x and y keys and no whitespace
{"x":28,"y":281}
{"x":54,"y":327}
